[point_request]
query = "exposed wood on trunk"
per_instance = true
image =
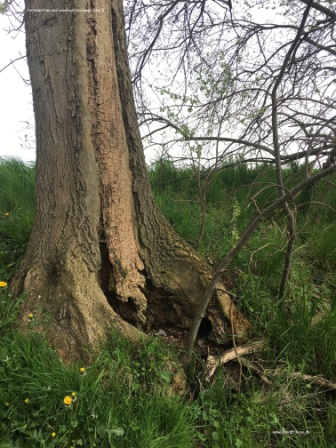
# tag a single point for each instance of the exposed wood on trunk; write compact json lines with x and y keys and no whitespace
{"x":171,"y":264}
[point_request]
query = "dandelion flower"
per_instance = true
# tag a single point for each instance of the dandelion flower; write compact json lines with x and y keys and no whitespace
{"x":7,"y":404}
{"x":3,"y":284}
{"x":30,"y":315}
{"x":68,"y":400}
{"x":82,"y":370}
{"x":7,"y":214}
{"x":53,"y":434}
{"x":73,"y":394}
{"x":26,"y":400}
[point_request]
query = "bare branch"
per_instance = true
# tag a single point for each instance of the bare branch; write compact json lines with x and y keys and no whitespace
{"x":328,"y":12}
{"x":12,"y":62}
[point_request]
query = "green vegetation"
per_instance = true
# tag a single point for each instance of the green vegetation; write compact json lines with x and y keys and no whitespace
{"x":16,"y":212}
{"x":120,"y":400}
{"x":124,"y":398}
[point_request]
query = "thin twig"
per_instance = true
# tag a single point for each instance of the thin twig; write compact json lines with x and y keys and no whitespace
{"x":12,"y":62}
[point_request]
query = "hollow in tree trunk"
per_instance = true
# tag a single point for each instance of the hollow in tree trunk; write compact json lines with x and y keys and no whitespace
{"x":100,"y":255}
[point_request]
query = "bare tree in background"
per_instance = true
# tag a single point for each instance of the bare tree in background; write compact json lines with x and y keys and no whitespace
{"x":213,"y":74}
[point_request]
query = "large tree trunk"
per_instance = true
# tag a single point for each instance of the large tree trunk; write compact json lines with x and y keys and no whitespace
{"x":100,"y":254}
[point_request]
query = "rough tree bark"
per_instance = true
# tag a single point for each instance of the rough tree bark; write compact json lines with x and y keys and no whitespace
{"x":100,"y":254}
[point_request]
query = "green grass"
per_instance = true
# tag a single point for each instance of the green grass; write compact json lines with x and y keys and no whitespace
{"x":123,"y":398}
{"x":281,"y":416}
{"x":16,"y":212}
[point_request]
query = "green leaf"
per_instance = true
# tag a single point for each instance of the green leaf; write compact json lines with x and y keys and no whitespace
{"x":3,"y":8}
{"x":165,"y":377}
{"x":116,"y":431}
{"x":3,"y":353}
{"x":74,"y":423}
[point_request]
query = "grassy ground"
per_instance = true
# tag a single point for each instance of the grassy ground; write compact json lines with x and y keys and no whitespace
{"x":122,"y":399}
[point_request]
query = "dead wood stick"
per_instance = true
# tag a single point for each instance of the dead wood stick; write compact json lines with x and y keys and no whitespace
{"x":234,"y":353}
{"x":251,"y":366}
{"x":253,"y":347}
{"x":318,"y":379}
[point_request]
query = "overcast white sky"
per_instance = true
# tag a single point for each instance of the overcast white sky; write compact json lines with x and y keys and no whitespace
{"x":16,"y":109}
{"x":15,"y":97}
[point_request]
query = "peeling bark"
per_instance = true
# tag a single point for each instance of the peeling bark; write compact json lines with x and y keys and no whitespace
{"x":100,"y":253}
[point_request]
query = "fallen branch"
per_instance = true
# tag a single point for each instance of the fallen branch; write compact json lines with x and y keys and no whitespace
{"x":264,"y":374}
{"x":318,"y":379}
{"x":232,"y":354}
{"x":236,"y":353}
{"x":258,"y":370}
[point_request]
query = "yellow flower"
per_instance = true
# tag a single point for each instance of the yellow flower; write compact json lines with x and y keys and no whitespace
{"x":68,"y":400}
{"x":30,"y":315}
{"x":26,"y":400}
{"x":7,"y":214}
{"x":3,"y":284}
{"x":82,"y":370}
{"x":73,"y":394}
{"x":7,"y":404}
{"x":53,"y":434}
